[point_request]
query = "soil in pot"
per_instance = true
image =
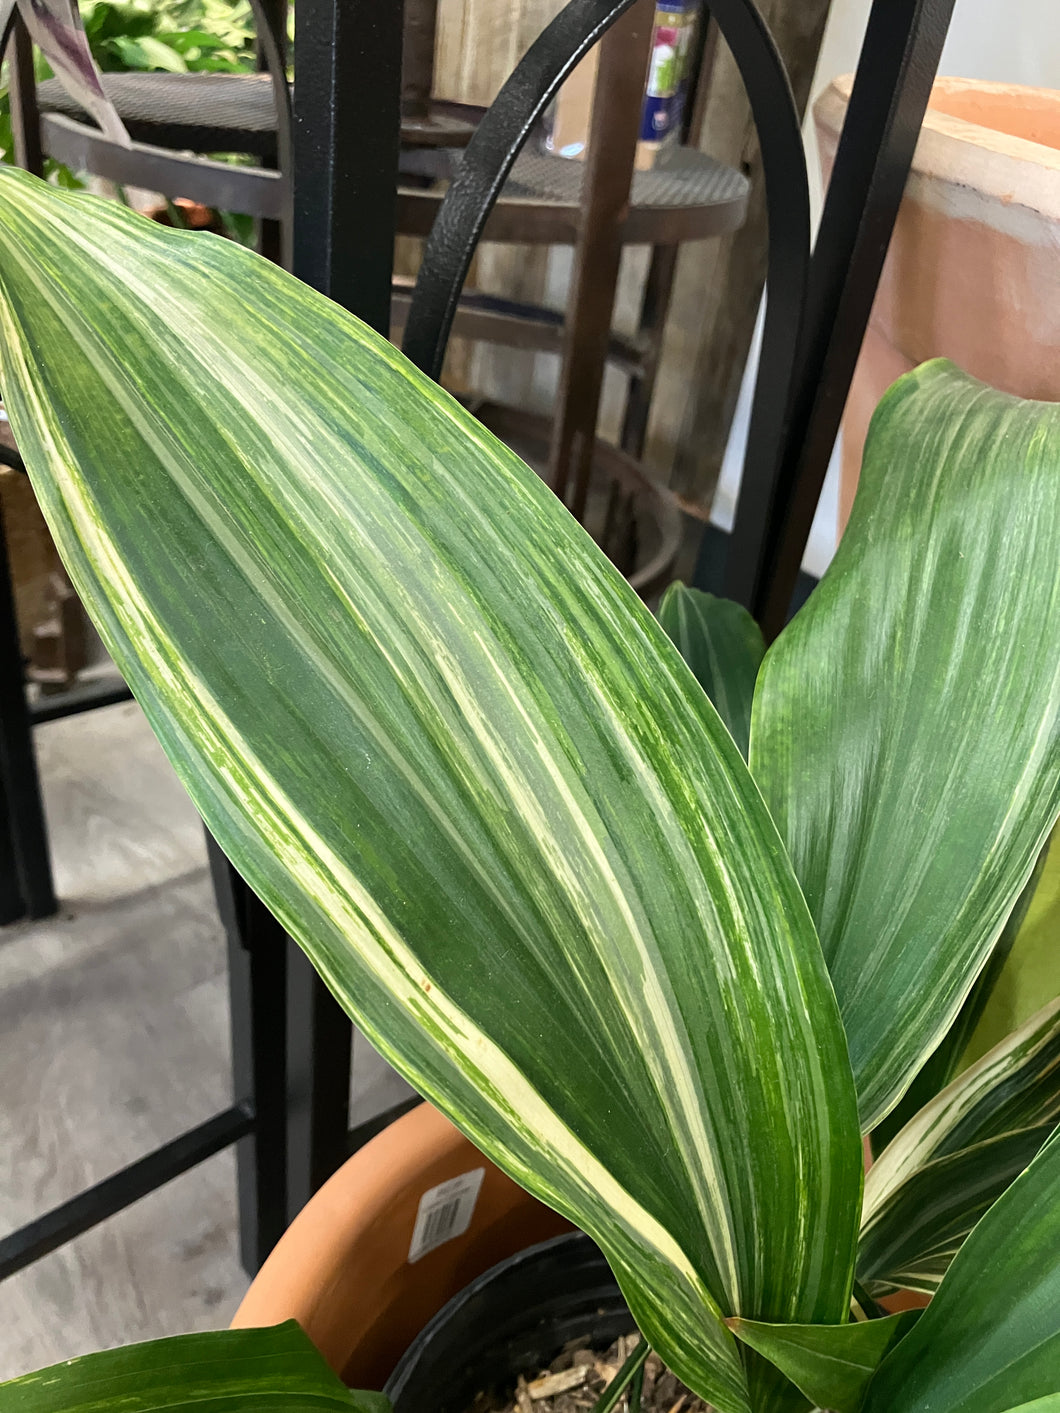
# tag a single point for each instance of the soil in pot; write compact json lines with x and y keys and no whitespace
{"x":574,"y":1381}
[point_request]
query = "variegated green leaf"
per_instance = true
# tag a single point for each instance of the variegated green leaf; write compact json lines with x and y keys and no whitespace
{"x":450,"y":748}
{"x":1049,"y":1404}
{"x":991,"y":1336}
{"x":723,"y":646}
{"x":1014,"y":1086}
{"x":914,"y":1235}
{"x":948,"y":1057}
{"x":831,"y":1364}
{"x":228,"y":1371}
{"x":941,"y":1173}
{"x":905,"y":724}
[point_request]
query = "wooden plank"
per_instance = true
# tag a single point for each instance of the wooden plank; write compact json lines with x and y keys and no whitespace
{"x":480,"y":42}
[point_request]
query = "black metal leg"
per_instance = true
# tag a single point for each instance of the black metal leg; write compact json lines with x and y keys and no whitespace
{"x":107,"y":1198}
{"x":319,"y":1053}
{"x":25,"y":115}
{"x":347,"y":132}
{"x":12,"y":907}
{"x":348,"y":60}
{"x":899,"y":59}
{"x":257,"y":987}
{"x":26,"y":887}
{"x":291,"y":1054}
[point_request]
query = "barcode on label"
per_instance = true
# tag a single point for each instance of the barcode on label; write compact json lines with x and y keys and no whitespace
{"x":445,"y":1211}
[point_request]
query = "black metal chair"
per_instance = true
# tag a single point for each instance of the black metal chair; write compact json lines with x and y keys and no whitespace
{"x":151,"y":129}
{"x":292,"y":1119}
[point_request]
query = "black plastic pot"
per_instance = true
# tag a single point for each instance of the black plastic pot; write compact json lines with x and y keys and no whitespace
{"x":516,"y":1317}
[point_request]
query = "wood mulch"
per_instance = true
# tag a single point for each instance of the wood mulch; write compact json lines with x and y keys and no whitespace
{"x":576,"y":1378}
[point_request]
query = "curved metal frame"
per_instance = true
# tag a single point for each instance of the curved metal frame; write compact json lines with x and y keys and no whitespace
{"x":511,"y":118}
{"x":484,"y":168}
{"x":816,"y":309}
{"x":899,"y":59}
{"x":788,"y":222}
{"x":273,"y":49}
{"x":257,"y":190}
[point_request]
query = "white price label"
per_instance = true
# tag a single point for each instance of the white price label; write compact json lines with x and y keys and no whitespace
{"x":445,"y":1211}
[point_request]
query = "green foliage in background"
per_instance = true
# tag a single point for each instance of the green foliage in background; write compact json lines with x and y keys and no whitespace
{"x":179,"y":36}
{"x":175,"y":36}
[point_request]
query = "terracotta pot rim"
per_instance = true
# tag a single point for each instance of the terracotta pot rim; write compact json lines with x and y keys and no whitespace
{"x":1021,"y":175}
{"x":310,"y":1259}
{"x":349,"y":1269}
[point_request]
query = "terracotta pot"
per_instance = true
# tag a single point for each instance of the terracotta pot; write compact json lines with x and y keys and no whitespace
{"x":973,"y":270}
{"x":342,"y":1269}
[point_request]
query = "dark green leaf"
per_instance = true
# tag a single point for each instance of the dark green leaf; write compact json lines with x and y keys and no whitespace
{"x":192,"y":39}
{"x":723,"y":646}
{"x":148,"y":52}
{"x":831,"y":1364}
{"x":228,"y":1371}
{"x":912,"y":1237}
{"x":991,"y":1336}
{"x":941,"y":1173}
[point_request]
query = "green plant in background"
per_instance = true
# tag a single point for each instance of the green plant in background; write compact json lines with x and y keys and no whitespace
{"x":178,"y":36}
{"x":181,"y":36}
{"x":665,"y":988}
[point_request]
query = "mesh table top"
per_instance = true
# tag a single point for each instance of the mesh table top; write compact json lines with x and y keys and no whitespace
{"x":233,"y":112}
{"x":681,"y":177}
{"x":237,"y":113}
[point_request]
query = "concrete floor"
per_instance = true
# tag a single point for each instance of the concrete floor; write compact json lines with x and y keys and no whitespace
{"x":113,"y":1039}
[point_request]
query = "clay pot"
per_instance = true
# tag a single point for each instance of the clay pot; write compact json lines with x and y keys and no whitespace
{"x":973,"y":270}
{"x":195,"y":216}
{"x":342,"y":1269}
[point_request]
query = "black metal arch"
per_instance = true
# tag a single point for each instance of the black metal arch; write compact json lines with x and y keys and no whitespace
{"x":484,"y":168}
{"x":272,"y":48}
{"x":507,"y":125}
